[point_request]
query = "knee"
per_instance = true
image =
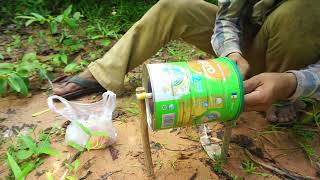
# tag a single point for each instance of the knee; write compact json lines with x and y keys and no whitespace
{"x":290,"y":35}
{"x":175,"y":5}
{"x":294,"y":15}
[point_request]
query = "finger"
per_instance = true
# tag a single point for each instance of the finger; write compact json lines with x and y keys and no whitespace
{"x":243,"y":67}
{"x":250,"y":85}
{"x":253,"y":98}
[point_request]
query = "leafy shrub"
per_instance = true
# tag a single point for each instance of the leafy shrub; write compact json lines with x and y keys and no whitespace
{"x":15,"y":77}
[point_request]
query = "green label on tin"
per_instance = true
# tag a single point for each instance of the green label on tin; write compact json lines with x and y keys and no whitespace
{"x":195,"y":92}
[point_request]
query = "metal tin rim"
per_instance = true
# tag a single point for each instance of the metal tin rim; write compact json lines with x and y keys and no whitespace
{"x":146,"y":80}
{"x":241,"y":87}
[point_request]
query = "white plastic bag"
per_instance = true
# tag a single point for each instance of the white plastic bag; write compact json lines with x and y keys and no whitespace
{"x":97,"y":117}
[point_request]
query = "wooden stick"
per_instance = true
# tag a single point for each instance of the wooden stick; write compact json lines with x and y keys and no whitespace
{"x":226,"y":140}
{"x":140,"y":92}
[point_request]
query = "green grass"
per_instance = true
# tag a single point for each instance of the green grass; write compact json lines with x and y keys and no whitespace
{"x":250,"y":168}
{"x":180,"y":51}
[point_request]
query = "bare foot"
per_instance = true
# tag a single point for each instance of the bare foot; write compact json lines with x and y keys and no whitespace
{"x":64,"y":88}
{"x":285,"y":113}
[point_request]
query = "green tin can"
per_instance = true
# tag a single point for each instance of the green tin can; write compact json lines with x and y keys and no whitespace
{"x":192,"y":92}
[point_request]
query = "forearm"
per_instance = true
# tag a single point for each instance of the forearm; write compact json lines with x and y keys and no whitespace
{"x":226,"y":36}
{"x":308,"y":82}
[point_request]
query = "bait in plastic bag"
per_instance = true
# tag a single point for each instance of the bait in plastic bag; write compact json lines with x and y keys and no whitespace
{"x":90,"y":123}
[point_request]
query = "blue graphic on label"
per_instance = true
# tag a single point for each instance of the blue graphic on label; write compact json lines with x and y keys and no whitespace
{"x":212,"y":116}
{"x":234,"y":96}
{"x":196,"y":79}
{"x":164,"y":107}
{"x":171,"y":106}
{"x":177,"y":75}
{"x":205,"y":104}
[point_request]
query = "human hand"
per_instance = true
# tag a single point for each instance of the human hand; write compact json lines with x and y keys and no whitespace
{"x":262,"y":90}
{"x":242,"y":63}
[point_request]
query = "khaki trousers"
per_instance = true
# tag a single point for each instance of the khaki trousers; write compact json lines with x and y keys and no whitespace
{"x":288,"y":39}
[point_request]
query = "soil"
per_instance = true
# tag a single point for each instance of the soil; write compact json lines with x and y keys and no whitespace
{"x":176,"y":153}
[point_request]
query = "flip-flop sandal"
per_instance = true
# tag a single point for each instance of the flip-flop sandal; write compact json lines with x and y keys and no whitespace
{"x":61,"y":79}
{"x":87,"y":87}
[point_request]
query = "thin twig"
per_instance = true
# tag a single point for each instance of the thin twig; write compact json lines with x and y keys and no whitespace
{"x":74,"y":157}
{"x":283,"y":154}
{"x":188,"y":149}
{"x":108,"y":174}
{"x":265,"y":138}
{"x":86,"y":175}
{"x":284,"y":149}
{"x":183,"y":137}
{"x":40,"y":112}
{"x":251,"y":128}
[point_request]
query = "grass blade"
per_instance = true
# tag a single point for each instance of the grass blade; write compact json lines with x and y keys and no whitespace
{"x":14,"y":83}
{"x":14,"y":167}
{"x":3,"y":86}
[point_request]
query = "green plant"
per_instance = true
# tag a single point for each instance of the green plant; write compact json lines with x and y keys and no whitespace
{"x":312,"y":114}
{"x":15,"y":77}
{"x":92,"y":55}
{"x":115,"y":17}
{"x":105,"y":42}
{"x":309,"y":151}
{"x":249,"y":167}
{"x":218,"y":161}
{"x":66,"y":18}
{"x":30,"y":40}
{"x":132,"y":110}
{"x":90,"y":133}
{"x":59,"y":60}
{"x":234,"y":177}
{"x":1,"y":57}
{"x":74,"y":67}
{"x":17,"y":41}
{"x":100,"y":30}
{"x":181,"y":51}
{"x":8,"y":50}
{"x":302,"y":133}
{"x":72,"y":169}
{"x":25,"y":154}
{"x":72,"y":45}
{"x":173,"y":164}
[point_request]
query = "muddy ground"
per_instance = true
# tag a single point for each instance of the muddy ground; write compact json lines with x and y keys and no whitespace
{"x":177,"y":154}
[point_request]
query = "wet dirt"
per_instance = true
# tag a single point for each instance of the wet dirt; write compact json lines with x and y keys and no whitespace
{"x":176,"y":153}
